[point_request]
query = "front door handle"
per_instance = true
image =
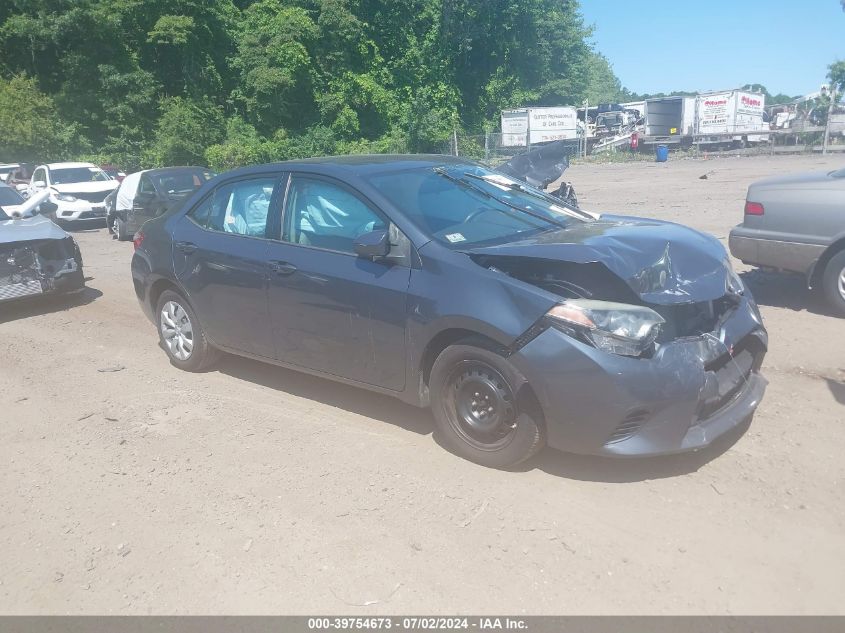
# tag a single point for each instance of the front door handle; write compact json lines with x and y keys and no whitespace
{"x":186,"y":247}
{"x":282,"y":268}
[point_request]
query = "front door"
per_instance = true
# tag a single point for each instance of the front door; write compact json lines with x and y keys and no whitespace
{"x":220,"y":250}
{"x":332,"y":311}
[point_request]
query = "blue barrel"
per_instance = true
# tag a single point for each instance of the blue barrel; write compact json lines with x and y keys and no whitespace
{"x":662,"y":153}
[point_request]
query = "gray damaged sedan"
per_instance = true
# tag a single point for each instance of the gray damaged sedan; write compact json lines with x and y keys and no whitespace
{"x":796,"y":223}
{"x":520,"y":320}
{"x":36,"y":256}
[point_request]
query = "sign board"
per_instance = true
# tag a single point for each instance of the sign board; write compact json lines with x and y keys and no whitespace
{"x":552,"y":124}
{"x":713,"y":112}
{"x":515,"y":128}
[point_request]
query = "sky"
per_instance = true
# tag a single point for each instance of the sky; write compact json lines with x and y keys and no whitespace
{"x":699,"y":45}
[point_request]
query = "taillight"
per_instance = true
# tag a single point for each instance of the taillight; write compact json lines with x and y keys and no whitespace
{"x":137,"y":240}
{"x":753,"y":208}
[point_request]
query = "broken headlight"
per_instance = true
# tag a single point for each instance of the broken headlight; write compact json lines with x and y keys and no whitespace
{"x":618,"y":328}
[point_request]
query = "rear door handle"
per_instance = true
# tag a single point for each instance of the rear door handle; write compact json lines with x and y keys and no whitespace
{"x":186,"y":247}
{"x":282,"y":268}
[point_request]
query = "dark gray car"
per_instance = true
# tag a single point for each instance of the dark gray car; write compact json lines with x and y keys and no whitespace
{"x":797,"y":223}
{"x":147,"y":194}
{"x":519,"y":320}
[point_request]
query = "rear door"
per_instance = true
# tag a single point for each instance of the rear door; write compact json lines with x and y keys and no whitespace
{"x":146,"y":204}
{"x":333,"y":311}
{"x":220,"y":250}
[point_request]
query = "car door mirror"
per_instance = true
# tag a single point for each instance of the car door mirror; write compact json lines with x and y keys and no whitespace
{"x":21,"y":187}
{"x":372,"y":245}
{"x":39,"y":184}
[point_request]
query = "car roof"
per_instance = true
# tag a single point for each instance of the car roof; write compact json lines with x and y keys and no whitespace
{"x":168,"y":170}
{"x":358,"y":164}
{"x":68,"y":165}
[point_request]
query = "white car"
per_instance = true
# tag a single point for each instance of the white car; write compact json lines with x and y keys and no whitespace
{"x":6,"y":169}
{"x":77,"y":189}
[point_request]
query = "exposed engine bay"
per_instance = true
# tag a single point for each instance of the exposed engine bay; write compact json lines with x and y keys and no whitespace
{"x":594,"y":281}
{"x":39,"y":267}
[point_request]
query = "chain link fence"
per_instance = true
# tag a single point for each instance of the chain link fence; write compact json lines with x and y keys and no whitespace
{"x":495,"y":148}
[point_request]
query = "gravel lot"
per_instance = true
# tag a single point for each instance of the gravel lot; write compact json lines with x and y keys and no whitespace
{"x":129,"y":487}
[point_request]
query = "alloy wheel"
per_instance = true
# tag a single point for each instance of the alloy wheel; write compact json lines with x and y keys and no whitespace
{"x":177,"y":330}
{"x":841,"y":283}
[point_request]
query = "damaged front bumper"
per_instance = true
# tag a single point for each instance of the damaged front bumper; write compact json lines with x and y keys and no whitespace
{"x":40,"y":267}
{"x":692,"y":391}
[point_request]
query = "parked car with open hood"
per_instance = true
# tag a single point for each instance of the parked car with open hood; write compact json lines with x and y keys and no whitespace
{"x":796,"y":223}
{"x":36,"y":256}
{"x":521,"y":321}
{"x":147,"y":194}
{"x":77,"y":189}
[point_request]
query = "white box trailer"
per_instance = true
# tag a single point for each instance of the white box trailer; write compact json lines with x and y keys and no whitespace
{"x":529,"y":126}
{"x":733,"y":112}
{"x":670,"y":116}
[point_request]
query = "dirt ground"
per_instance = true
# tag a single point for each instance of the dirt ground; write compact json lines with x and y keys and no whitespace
{"x":129,"y":487}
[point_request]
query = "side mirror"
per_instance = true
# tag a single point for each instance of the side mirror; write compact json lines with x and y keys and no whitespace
{"x":39,"y":184}
{"x":372,"y":245}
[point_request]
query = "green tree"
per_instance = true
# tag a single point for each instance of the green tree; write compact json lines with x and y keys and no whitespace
{"x":31,"y":128}
{"x":275,"y":65}
{"x":184,"y":132}
{"x":603,"y":85}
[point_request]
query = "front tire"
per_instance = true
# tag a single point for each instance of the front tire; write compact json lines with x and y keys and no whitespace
{"x":833,"y":283}
{"x":181,"y":334}
{"x":479,"y":410}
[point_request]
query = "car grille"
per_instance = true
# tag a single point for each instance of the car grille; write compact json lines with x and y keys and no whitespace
{"x":726,"y":377}
{"x":88,"y":215}
{"x":692,"y":319}
{"x":23,"y":289}
{"x":97,"y":196}
{"x":629,"y":426}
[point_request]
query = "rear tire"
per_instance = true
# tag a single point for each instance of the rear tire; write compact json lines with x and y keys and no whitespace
{"x":478,"y":410}
{"x":833,"y":283}
{"x":119,"y":230}
{"x":181,"y":335}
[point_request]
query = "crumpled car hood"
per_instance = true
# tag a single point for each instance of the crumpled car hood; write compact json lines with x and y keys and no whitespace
{"x":663,"y":263}
{"x":28,"y":229}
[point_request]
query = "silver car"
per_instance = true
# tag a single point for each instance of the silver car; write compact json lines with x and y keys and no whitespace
{"x":797,"y":223}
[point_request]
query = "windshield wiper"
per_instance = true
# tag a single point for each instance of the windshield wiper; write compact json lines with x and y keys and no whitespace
{"x":465,"y":183}
{"x":542,"y":195}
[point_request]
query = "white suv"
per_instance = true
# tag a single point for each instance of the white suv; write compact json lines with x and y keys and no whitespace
{"x":77,"y":189}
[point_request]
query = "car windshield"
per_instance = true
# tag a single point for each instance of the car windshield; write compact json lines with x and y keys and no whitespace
{"x":468,"y":205}
{"x":176,"y":183}
{"x":8,"y":197}
{"x":67,"y":175}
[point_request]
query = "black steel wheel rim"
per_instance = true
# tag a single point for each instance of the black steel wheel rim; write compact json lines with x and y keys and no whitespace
{"x":480,"y":405}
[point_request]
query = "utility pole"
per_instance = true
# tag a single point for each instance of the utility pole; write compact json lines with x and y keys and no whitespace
{"x":829,"y":115}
